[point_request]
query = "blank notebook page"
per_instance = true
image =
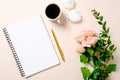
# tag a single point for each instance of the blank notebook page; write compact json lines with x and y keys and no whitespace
{"x":32,"y":45}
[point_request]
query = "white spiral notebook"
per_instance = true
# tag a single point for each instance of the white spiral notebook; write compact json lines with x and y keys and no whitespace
{"x":31,"y":46}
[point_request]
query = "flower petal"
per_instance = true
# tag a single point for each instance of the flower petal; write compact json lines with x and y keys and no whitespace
{"x":80,"y":49}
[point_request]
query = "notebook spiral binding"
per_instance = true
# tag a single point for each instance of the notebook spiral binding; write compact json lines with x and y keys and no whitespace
{"x":14,"y":52}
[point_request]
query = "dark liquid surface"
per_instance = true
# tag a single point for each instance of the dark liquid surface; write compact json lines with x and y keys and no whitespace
{"x":52,"y":11}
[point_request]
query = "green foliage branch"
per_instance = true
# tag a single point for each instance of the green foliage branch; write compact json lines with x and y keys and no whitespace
{"x":98,"y":56}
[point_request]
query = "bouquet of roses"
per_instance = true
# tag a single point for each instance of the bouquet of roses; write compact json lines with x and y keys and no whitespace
{"x":96,"y":51}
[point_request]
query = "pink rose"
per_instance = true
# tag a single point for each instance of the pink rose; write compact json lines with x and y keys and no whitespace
{"x":80,"y":49}
{"x":89,"y":33}
{"x":85,"y":44}
{"x":85,"y":34}
{"x":89,"y":41}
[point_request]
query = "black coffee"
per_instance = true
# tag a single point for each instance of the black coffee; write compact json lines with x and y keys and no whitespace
{"x":52,"y":11}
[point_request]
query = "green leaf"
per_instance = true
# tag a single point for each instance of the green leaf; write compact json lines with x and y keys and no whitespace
{"x":107,"y":31}
{"x":86,"y":72}
{"x":114,"y":49}
{"x":100,"y":22}
{"x":90,"y":51}
{"x":95,"y":74}
{"x":109,"y":41}
{"x":104,"y":26}
{"x":108,"y":55}
{"x":112,"y":57}
{"x":98,"y":74}
{"x":102,"y":57}
{"x":104,"y":35}
{"x":111,"y":67}
{"x":97,"y":15}
{"x":111,"y":47}
{"x":93,"y":10}
{"x":100,"y":42}
{"x":101,"y":18}
{"x":83,"y":58}
{"x":97,"y":62}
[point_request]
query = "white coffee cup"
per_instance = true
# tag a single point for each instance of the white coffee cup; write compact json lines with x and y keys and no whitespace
{"x":53,"y":12}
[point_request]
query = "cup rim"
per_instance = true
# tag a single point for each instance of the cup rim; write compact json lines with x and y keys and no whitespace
{"x":60,"y":13}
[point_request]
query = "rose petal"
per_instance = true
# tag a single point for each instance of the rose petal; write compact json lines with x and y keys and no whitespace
{"x":80,"y":49}
{"x":92,"y":40}
{"x":89,"y":33}
{"x":85,"y":44}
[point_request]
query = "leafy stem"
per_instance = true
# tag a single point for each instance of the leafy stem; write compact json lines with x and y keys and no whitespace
{"x":99,"y":56}
{"x":104,"y":43}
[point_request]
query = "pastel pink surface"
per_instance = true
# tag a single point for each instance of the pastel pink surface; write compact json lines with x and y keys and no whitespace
{"x":12,"y":11}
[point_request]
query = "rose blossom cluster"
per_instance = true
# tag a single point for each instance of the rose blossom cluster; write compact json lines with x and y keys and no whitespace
{"x":86,"y":38}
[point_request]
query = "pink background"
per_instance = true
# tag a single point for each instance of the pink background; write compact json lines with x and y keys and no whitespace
{"x":12,"y":11}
